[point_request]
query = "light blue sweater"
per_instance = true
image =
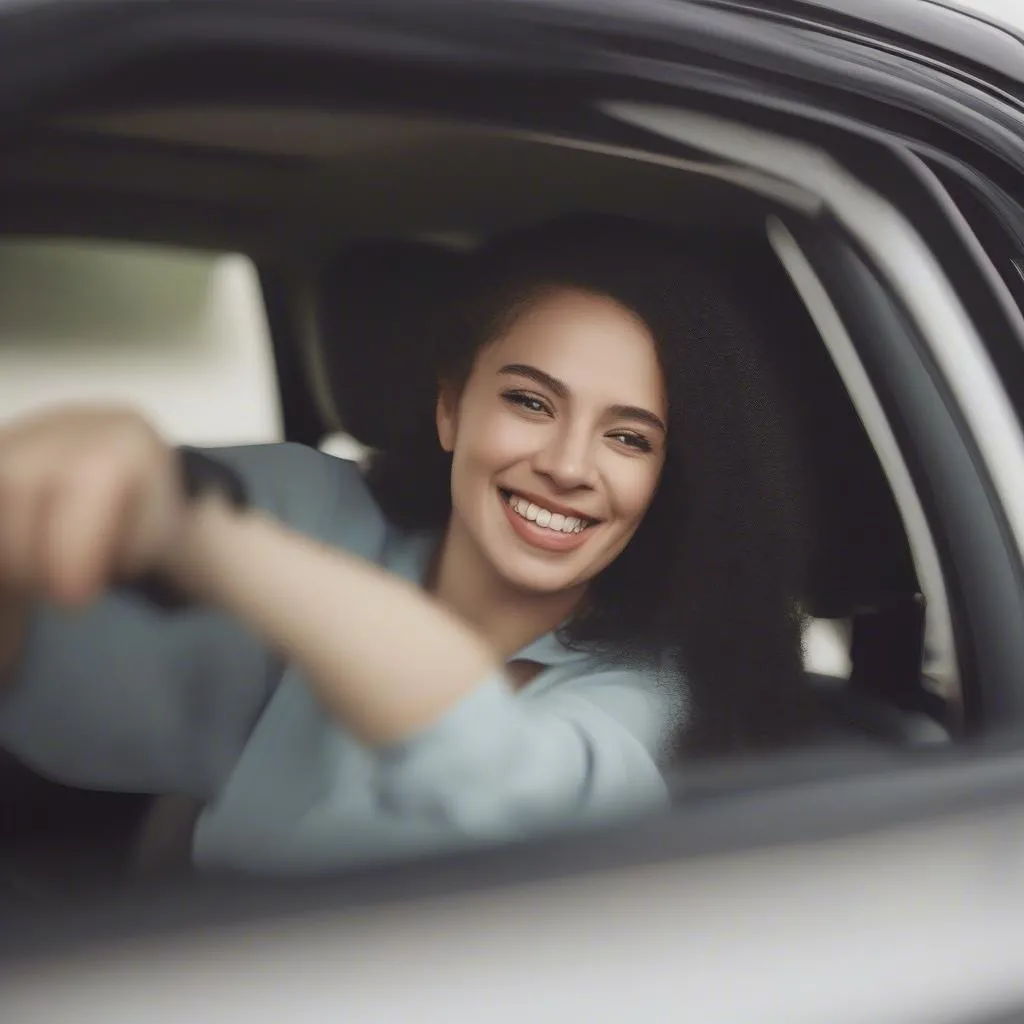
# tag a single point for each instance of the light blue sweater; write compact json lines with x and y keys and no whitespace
{"x":121,"y":697}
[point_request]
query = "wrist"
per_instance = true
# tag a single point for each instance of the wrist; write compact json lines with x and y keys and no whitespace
{"x":190,"y":564}
{"x":215,"y":496}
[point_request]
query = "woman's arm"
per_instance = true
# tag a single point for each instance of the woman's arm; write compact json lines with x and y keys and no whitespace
{"x":120,"y":696}
{"x":461,"y":757}
{"x":385,"y":659}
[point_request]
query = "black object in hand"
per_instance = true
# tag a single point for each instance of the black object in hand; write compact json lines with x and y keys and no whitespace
{"x":200,"y":475}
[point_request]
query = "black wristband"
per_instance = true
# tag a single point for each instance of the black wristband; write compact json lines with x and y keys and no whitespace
{"x":201,"y":475}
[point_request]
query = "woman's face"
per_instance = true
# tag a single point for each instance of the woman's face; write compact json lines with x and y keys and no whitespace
{"x":558,"y":440}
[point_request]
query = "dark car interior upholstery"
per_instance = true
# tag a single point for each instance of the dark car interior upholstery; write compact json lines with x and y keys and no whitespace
{"x":372,"y":217}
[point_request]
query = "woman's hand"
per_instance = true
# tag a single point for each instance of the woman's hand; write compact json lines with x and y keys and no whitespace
{"x":88,"y":497}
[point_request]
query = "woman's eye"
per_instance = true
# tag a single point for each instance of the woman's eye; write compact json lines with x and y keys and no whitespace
{"x":635,"y":441}
{"x":531,"y":403}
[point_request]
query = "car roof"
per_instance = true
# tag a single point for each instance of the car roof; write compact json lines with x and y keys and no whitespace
{"x":980,"y":39}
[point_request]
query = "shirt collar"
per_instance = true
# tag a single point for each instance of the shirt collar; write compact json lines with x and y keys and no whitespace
{"x":408,"y":556}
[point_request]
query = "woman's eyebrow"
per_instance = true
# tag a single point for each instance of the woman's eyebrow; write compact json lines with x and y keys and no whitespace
{"x":560,"y":388}
{"x":634,"y":412}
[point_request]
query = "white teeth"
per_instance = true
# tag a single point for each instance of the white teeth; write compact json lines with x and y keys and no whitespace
{"x":544,"y":517}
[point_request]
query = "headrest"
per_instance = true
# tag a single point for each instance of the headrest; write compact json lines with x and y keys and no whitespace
{"x":379,"y":307}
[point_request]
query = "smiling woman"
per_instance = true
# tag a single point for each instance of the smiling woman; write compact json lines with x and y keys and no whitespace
{"x":502,"y":630}
{"x":605,"y":375}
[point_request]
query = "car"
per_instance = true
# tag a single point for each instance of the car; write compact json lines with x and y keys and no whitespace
{"x":865,"y":162}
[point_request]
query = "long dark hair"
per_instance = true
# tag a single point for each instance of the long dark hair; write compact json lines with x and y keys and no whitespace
{"x":713,"y":575}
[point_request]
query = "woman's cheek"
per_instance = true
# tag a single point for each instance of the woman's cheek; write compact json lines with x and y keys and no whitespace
{"x":509,"y":437}
{"x":636,"y":488}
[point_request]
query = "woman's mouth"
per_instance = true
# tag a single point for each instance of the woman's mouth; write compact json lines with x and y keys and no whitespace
{"x":543,"y":517}
{"x":543,"y":527}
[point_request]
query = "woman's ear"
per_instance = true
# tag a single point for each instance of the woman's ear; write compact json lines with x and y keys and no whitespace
{"x":447,"y":414}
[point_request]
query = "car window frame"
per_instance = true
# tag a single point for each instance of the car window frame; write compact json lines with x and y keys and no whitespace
{"x":726,"y":809}
{"x":996,"y":219}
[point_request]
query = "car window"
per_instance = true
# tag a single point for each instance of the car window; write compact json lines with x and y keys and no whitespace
{"x":185,"y":336}
{"x":180,"y":334}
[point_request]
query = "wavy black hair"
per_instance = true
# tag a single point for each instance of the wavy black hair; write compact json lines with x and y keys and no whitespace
{"x":714,"y":573}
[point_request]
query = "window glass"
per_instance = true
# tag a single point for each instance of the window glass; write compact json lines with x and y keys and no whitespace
{"x":182,"y":335}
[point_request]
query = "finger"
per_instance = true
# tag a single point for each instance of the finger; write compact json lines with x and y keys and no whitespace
{"x":85,"y":518}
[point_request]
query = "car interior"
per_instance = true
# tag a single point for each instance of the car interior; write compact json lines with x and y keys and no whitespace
{"x":358,"y":222}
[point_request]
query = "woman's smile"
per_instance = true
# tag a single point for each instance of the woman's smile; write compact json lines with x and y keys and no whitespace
{"x":543,"y":528}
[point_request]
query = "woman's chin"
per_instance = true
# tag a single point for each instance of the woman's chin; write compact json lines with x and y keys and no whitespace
{"x":524,"y":574}
{"x":534,"y":569}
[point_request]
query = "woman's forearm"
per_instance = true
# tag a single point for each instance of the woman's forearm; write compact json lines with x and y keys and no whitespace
{"x":385,"y":659}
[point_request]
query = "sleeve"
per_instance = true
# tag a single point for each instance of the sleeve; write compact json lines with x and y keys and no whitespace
{"x":120,"y":696}
{"x":499,"y":765}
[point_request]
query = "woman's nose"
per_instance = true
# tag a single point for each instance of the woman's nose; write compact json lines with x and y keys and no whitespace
{"x":567,"y":459}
